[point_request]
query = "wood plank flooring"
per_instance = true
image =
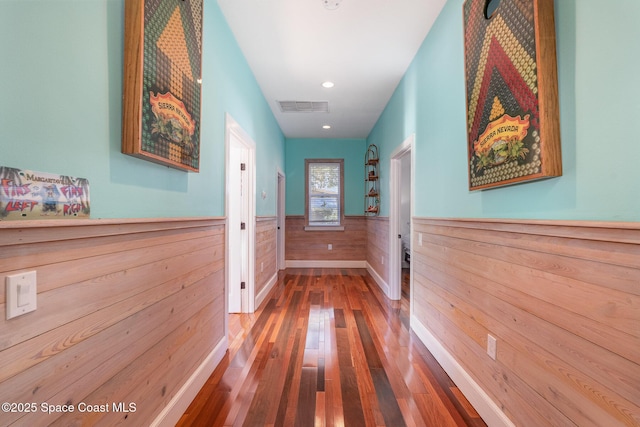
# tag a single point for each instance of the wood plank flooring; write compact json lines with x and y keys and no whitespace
{"x":328,"y":349}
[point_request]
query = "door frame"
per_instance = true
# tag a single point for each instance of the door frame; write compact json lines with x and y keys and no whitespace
{"x":395,"y":248}
{"x":280,"y":221}
{"x":233,"y":129}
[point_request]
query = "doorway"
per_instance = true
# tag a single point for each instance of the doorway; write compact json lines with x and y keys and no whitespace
{"x":400,"y":223}
{"x":240,"y":213}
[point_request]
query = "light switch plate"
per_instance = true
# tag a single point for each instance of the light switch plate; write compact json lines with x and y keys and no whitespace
{"x":21,"y":294}
{"x":491,"y":346}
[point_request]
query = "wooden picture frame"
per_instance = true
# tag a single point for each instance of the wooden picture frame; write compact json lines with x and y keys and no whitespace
{"x":162,"y":82}
{"x":513,"y":125}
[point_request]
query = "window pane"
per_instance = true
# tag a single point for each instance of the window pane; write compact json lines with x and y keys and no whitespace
{"x":324,"y":210}
{"x":324,"y":193}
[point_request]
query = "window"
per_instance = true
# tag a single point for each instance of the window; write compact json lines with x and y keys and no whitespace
{"x":324,"y":196}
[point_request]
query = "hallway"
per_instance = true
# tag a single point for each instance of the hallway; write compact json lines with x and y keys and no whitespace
{"x":328,"y":349}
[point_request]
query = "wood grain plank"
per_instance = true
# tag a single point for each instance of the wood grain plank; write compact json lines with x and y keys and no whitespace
{"x":617,"y":278}
{"x":378,"y":245}
{"x":609,"y":252}
{"x":266,"y":262}
{"x":506,"y":389}
{"x":351,"y":403}
{"x":617,"y":310}
{"x":31,"y":255}
{"x":575,"y":355}
{"x":561,"y":297}
{"x":152,"y":377}
{"x":115,"y":294}
{"x":600,"y":231}
{"x":305,"y":415}
{"x":348,"y":245}
{"x":329,"y":353}
{"x":543,"y":369}
{"x":81,"y":298}
{"x":16,"y":233}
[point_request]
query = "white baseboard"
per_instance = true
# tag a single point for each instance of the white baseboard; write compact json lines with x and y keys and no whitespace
{"x":183,"y":398}
{"x":265,"y":291}
{"x":379,"y":280}
{"x":293,"y":263}
{"x":482,"y":403}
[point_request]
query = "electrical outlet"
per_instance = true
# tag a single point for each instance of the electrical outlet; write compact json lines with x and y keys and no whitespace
{"x":420,"y":239}
{"x":330,"y":247}
{"x":382,"y":260}
{"x":261,"y":267}
{"x":491,"y":346}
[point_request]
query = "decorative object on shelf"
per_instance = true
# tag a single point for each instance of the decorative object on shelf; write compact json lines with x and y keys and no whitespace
{"x":26,"y":194}
{"x":371,"y":183}
{"x":512,"y":92}
{"x":162,"y":82}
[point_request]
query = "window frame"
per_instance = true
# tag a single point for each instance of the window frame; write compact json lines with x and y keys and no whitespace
{"x":320,"y":227}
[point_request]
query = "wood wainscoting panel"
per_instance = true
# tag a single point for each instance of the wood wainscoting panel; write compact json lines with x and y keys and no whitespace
{"x":378,"y":246}
{"x":347,"y":245}
{"x":127,"y":311}
{"x":266,"y":252}
{"x":562,"y":299}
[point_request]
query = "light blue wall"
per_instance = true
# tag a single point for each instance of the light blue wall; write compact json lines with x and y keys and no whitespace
{"x":351,"y":150}
{"x":599,"y":91}
{"x":61,"y":86}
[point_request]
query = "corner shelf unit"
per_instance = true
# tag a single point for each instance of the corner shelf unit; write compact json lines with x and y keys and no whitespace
{"x":371,"y":181}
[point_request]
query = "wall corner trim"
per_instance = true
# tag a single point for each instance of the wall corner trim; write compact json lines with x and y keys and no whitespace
{"x":479,"y":399}
{"x":171,"y":414}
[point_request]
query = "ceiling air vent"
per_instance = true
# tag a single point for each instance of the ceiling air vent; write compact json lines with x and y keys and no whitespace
{"x":304,"y":106}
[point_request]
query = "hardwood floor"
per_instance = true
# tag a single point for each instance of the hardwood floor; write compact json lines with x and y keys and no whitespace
{"x":328,"y":349}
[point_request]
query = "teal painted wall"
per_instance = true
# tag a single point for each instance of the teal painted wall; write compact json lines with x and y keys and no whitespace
{"x":351,"y":150}
{"x":599,"y":96}
{"x":61,"y":80}
{"x":61,"y":85}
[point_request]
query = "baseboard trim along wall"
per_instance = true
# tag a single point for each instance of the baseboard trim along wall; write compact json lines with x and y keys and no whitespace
{"x":304,"y":263}
{"x":379,"y":280}
{"x":266,"y":289}
{"x":481,"y":402}
{"x":183,"y":398}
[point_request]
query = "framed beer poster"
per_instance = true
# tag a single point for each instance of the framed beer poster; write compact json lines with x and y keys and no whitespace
{"x":162,"y":82}
{"x":512,"y":92}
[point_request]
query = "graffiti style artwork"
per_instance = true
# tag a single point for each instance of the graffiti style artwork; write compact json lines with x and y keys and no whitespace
{"x":512,"y":96}
{"x":162,"y":82}
{"x":26,"y":194}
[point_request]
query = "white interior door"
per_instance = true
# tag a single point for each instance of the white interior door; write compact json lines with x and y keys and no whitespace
{"x":236,"y":214}
{"x":240,"y":212}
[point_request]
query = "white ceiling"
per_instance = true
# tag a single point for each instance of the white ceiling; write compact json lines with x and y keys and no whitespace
{"x":363,"y":46}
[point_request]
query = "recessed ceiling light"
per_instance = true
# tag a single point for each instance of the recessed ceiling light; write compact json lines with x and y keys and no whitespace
{"x":331,"y":4}
{"x":326,"y":127}
{"x":328,"y":85}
